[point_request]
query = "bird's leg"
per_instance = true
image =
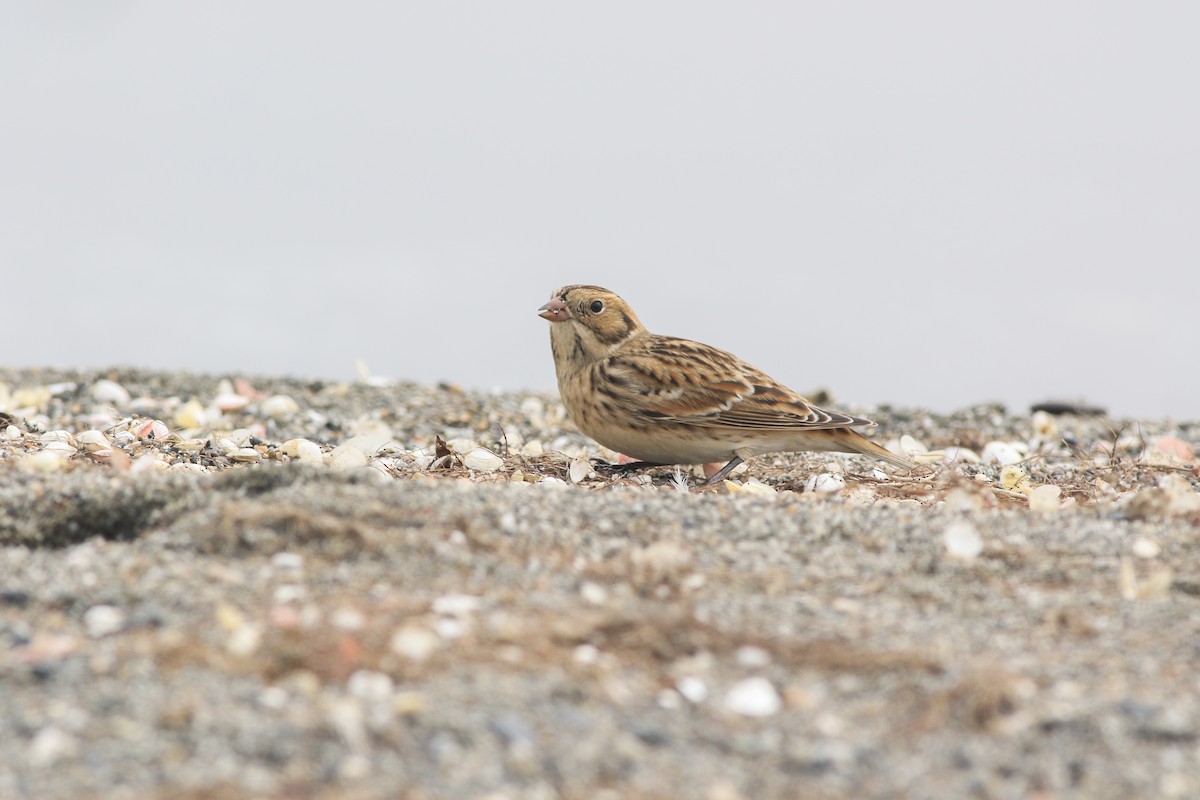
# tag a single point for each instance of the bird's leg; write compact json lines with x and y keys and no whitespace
{"x":725,"y":470}
{"x":623,"y":469}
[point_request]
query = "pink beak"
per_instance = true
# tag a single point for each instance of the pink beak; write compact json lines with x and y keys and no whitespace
{"x":555,"y":311}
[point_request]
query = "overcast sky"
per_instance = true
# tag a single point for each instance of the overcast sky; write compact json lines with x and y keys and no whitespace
{"x":927,"y":204}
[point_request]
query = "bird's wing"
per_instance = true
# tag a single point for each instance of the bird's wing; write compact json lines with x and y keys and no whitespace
{"x":690,"y":383}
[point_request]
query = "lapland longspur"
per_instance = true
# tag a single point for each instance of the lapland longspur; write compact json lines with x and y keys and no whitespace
{"x":665,"y":400}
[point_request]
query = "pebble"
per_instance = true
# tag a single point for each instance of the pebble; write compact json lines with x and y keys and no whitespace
{"x":371,"y":686}
{"x":753,"y":697}
{"x":51,"y":745}
{"x":415,"y":643}
{"x":1145,"y":548}
{"x":346,"y":457}
{"x":962,"y":540}
{"x":751,"y":656}
{"x":244,"y":641}
{"x":456,"y":605}
{"x":593,"y":593}
{"x":693,"y":689}
{"x":103,"y":620}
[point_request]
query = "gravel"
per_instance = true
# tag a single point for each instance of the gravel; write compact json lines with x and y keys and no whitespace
{"x":215,"y":629}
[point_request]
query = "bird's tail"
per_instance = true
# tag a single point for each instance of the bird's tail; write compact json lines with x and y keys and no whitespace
{"x":854,"y":442}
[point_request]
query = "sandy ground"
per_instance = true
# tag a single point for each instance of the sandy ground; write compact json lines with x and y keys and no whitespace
{"x":177,"y":620}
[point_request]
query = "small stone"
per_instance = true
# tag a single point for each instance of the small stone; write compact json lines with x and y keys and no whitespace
{"x":346,"y":457}
{"x":348,"y":619}
{"x":962,"y":541}
{"x":456,"y":604}
{"x":593,"y":593}
{"x":1145,"y":548}
{"x":751,"y":656}
{"x":244,"y":455}
{"x":370,"y":686}
{"x":415,"y":643}
{"x":290,"y":562}
{"x":103,"y":620}
{"x":753,"y":697}
{"x":244,"y":641}
{"x":693,"y":689}
{"x":50,"y":746}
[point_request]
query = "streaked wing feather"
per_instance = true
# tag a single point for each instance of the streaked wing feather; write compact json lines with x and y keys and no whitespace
{"x":686,"y":382}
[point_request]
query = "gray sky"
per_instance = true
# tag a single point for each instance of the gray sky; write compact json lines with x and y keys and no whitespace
{"x":918,"y":203}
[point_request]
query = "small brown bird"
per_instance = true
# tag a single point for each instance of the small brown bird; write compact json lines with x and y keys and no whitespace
{"x":665,"y":400}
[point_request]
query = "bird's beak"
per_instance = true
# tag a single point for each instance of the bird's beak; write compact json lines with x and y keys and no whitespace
{"x":555,"y":311}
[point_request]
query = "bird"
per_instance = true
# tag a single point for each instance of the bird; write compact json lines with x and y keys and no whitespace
{"x":665,"y":400}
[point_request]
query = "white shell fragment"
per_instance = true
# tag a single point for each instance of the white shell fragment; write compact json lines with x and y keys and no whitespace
{"x":109,"y":393}
{"x":279,"y":407}
{"x":483,"y":460}
{"x":825,"y":483}
{"x":244,"y":455}
{"x":1145,"y":548}
{"x":93,"y":441}
{"x":191,"y":414}
{"x":1003,"y":453}
{"x":303,"y":450}
{"x":753,"y":697}
{"x":1014,"y":479}
{"x":581,"y":469}
{"x":43,"y":461}
{"x":1045,"y":499}
{"x":962,"y":541}
{"x":103,"y":620}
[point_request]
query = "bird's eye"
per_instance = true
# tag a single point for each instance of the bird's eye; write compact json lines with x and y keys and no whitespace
{"x":596,"y":306}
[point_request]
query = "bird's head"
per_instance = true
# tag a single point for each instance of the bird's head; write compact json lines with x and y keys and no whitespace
{"x":588,"y":322}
